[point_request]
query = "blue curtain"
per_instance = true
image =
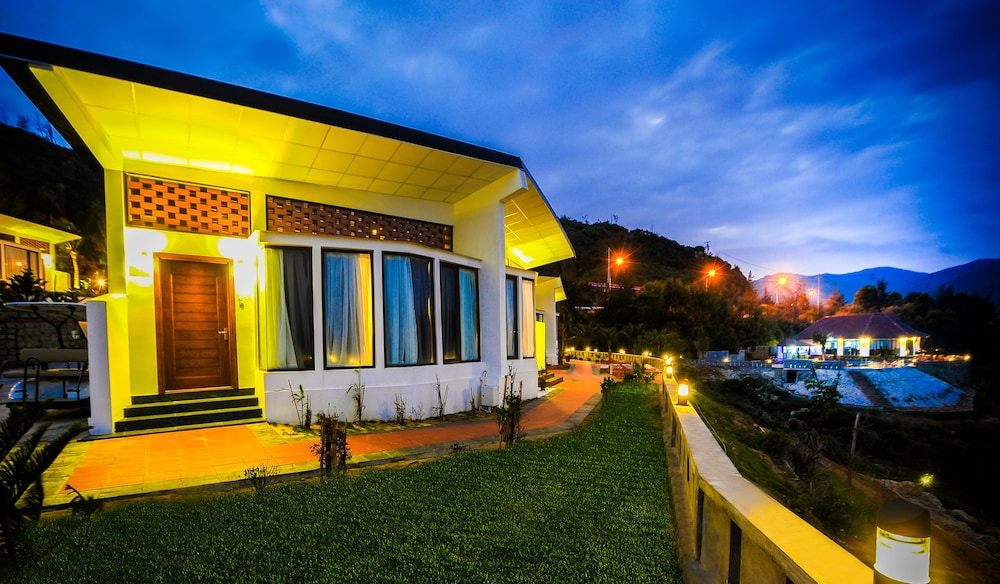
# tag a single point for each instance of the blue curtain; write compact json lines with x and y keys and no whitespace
{"x":409,"y":327}
{"x":459,"y":313}
{"x":347,"y":309}
{"x":469,"y":294}
{"x":512,"y":318}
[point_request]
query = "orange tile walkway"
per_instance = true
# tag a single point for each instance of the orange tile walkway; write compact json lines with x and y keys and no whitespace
{"x":134,"y":465}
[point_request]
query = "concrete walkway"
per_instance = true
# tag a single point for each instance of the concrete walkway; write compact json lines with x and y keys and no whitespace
{"x":218,"y":457}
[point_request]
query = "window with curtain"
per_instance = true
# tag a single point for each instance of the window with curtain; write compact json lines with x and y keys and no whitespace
{"x":409,"y":310}
{"x":347,"y":309}
{"x":528,"y":318}
{"x":512,"y":317}
{"x":459,"y":312}
{"x":287,"y":325}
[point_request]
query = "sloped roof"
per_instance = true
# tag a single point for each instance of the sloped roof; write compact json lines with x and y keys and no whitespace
{"x":22,"y":228}
{"x":874,"y":325}
{"x":118,"y":110}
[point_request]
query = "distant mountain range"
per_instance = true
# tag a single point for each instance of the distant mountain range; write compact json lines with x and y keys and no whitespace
{"x":981,"y":276}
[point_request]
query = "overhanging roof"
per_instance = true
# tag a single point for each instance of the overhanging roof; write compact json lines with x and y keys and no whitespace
{"x":874,"y":325}
{"x":118,"y":110}
{"x":22,"y":228}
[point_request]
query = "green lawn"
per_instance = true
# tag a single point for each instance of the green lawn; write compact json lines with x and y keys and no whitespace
{"x":592,"y":505}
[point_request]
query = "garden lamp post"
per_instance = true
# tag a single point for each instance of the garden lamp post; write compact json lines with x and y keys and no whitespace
{"x":683,"y":392}
{"x":902,"y":544}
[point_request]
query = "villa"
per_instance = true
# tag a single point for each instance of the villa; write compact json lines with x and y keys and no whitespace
{"x":258,"y":244}
{"x":862,"y":335}
{"x":25,"y":245}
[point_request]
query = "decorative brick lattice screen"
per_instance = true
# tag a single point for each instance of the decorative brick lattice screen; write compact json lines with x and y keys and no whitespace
{"x":41,"y":246}
{"x":292,"y":216}
{"x":6,"y":237}
{"x":192,"y":208}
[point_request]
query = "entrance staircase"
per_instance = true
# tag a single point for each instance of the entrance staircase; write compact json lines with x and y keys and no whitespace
{"x":190,"y":409}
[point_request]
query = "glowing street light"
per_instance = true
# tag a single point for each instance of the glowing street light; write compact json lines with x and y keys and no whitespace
{"x":711,"y":274}
{"x":619,"y":261}
{"x":781,"y":284}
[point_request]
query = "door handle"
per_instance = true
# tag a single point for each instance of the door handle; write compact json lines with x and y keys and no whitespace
{"x":225,"y":334}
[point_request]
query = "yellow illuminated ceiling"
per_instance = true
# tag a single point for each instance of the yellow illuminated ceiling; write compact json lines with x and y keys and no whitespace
{"x":22,"y":228}
{"x":120,"y":120}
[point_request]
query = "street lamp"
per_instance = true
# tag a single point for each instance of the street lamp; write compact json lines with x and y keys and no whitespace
{"x":781,"y":284}
{"x":711,"y":274}
{"x":618,"y":262}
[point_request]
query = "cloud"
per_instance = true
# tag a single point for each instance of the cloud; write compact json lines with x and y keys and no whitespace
{"x":715,"y":151}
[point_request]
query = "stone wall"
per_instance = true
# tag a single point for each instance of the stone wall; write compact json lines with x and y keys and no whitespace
{"x":23,"y":330}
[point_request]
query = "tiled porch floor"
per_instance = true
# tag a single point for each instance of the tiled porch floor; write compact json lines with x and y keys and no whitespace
{"x":151,"y":463}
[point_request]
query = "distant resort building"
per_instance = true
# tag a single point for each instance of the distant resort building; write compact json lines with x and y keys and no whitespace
{"x":29,"y":246}
{"x":856,"y":335}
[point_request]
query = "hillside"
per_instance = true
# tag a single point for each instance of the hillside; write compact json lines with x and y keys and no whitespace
{"x":51,"y":185}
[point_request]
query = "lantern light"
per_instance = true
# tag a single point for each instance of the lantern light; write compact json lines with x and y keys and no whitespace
{"x":682,"y":394}
{"x":903,"y":543}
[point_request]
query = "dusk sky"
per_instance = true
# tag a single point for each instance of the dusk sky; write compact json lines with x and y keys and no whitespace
{"x":794,"y":136}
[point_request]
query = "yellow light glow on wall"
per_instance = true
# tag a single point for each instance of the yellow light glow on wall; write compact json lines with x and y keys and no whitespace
{"x":140,"y":245}
{"x":243,"y":252}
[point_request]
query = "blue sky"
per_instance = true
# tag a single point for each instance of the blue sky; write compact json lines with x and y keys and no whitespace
{"x":794,"y":136}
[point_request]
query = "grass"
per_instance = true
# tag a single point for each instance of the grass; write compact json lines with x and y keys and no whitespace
{"x":592,"y":505}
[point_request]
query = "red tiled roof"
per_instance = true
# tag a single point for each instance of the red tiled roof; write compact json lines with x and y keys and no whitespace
{"x":875,"y":325}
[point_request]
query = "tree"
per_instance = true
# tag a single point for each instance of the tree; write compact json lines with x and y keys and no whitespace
{"x":22,"y":462}
{"x":835,"y":303}
{"x":819,"y":337}
{"x":23,"y":287}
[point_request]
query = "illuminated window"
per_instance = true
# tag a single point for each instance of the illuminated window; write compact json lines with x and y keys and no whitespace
{"x":528,"y":318}
{"x":459,"y":312}
{"x":347,"y":309}
{"x":18,"y":259}
{"x":409,"y":310}
{"x":287,"y":328}
{"x":512,"y":317}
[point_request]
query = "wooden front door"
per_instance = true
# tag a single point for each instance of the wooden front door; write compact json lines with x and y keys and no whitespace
{"x":194,"y":323}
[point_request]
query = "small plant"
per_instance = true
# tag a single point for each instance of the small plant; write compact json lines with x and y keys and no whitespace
{"x":303,"y":407}
{"x":607,"y":384}
{"x":400,"y":404}
{"x":824,"y":393}
{"x":442,"y":398}
{"x":358,"y":389}
{"x":509,"y":412}
{"x":259,"y":476}
{"x":459,"y":446}
{"x":417,"y":412}
{"x":84,"y":506}
{"x":23,"y":459}
{"x":332,"y":448}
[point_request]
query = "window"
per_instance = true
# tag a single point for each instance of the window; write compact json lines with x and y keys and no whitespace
{"x":287,"y":327}
{"x":460,"y":312}
{"x":347,"y":309}
{"x":512,"y":317}
{"x":18,"y":259}
{"x":409,"y":310}
{"x":528,"y":318}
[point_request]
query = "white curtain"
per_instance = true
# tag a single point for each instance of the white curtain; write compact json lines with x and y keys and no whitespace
{"x":347,"y":309}
{"x":278,"y":350}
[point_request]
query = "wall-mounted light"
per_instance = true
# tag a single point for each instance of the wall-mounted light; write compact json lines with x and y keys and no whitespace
{"x":903,"y":543}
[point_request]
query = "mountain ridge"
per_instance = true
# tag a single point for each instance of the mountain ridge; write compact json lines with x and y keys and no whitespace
{"x":982,"y":276}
